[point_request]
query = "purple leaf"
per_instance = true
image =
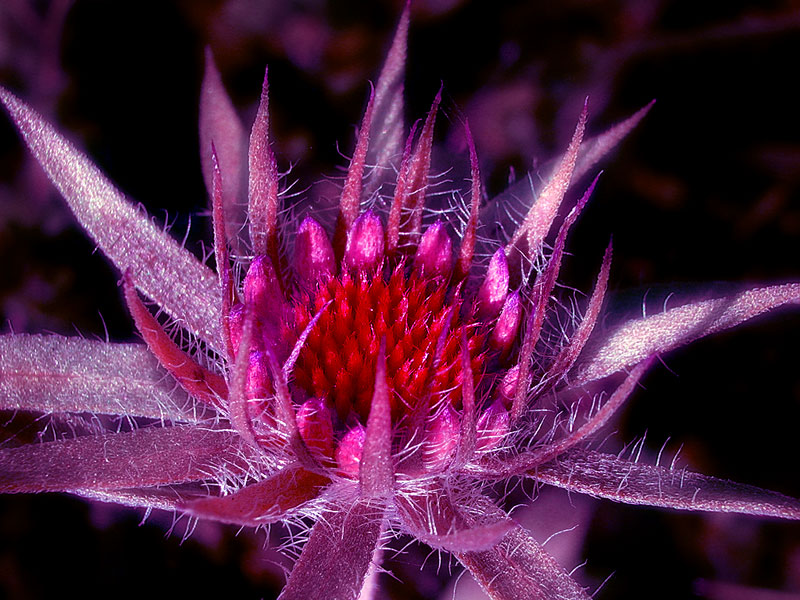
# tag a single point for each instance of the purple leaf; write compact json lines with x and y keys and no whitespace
{"x":636,"y":340}
{"x":165,"y":498}
{"x":608,"y":476}
{"x":519,"y":567}
{"x":263,"y":502}
{"x":337,"y":556}
{"x":184,"y":287}
{"x":141,"y":458}
{"x":56,"y":374}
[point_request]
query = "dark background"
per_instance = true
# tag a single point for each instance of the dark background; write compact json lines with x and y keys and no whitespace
{"x":705,"y":191}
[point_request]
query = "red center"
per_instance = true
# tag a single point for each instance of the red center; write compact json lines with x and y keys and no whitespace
{"x":423,"y":350}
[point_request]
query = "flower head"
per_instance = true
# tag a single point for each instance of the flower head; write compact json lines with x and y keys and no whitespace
{"x":372,"y":374}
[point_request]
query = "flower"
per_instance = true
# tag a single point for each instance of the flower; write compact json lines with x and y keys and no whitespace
{"x":373,"y":375}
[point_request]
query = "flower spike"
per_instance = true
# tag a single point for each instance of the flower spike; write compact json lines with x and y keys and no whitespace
{"x":376,"y":382}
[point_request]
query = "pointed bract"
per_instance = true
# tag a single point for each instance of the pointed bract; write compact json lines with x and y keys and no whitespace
{"x":262,"y":198}
{"x":518,"y":567}
{"x":376,"y":470}
{"x":197,"y":380}
{"x":528,"y":238}
{"x":387,"y":116}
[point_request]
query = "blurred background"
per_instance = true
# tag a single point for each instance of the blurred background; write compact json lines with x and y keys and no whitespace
{"x":704,"y":193}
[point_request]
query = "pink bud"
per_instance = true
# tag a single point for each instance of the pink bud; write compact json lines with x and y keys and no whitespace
{"x":261,"y":288}
{"x":435,"y":252}
{"x":258,"y":379}
{"x":441,"y":439}
{"x":313,"y":254}
{"x":508,"y":385}
{"x":316,"y":426}
{"x":348,"y":452}
{"x":505,"y":331}
{"x":494,"y":289}
{"x":493,"y":426}
{"x":364,"y":249}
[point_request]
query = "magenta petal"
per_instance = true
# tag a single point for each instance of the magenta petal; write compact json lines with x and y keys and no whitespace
{"x":608,"y":476}
{"x":431,"y":518}
{"x":376,"y":471}
{"x":184,"y":287}
{"x":494,"y":289}
{"x":335,"y":560}
{"x":220,"y":126}
{"x":145,"y":457}
{"x":364,"y":249}
{"x":263,"y":502}
{"x":493,"y":426}
{"x":434,"y":255}
{"x":635,"y":340}
{"x":313,"y":253}
{"x":55,"y":374}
